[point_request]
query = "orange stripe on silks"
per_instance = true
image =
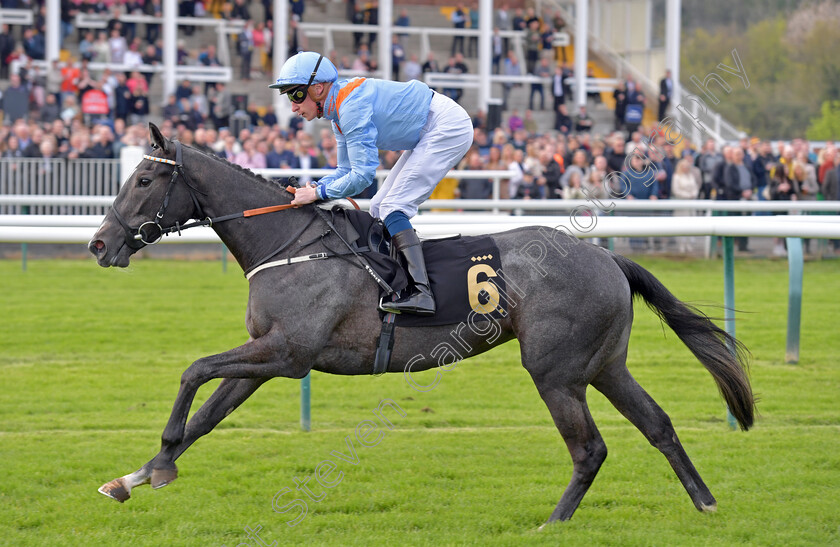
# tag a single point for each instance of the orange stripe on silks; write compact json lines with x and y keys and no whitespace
{"x":344,"y":91}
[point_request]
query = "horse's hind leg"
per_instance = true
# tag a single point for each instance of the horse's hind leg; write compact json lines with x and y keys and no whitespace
{"x":619,"y":386}
{"x":161,"y":470}
{"x":587,"y":448}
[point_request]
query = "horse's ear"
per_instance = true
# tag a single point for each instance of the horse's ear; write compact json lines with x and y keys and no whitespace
{"x":156,"y":138}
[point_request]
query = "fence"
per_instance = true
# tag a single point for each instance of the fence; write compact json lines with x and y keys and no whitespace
{"x":58,"y":177}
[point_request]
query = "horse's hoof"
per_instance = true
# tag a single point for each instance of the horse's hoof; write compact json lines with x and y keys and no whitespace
{"x":711,"y":508}
{"x":162,"y":477}
{"x":116,"y":490}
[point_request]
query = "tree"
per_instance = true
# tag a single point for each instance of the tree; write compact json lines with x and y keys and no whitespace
{"x":826,"y":127}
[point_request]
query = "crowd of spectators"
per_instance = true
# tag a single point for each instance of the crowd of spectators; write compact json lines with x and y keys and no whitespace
{"x":73,"y":111}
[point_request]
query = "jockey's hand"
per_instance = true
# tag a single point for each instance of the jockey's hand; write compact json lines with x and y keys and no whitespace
{"x":305,"y":194}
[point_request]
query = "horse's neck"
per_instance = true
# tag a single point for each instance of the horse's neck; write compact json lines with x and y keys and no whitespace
{"x":227,"y":191}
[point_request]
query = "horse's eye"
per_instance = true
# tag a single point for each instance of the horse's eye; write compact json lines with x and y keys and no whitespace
{"x":144,"y":182}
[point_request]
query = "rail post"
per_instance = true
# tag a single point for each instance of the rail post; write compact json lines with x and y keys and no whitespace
{"x":795,"y":268}
{"x":305,"y":419}
{"x":729,"y":301}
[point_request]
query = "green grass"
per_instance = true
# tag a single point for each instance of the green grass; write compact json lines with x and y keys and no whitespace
{"x":90,"y":361}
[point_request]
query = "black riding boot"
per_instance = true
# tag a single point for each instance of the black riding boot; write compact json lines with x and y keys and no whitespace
{"x":420,"y":301}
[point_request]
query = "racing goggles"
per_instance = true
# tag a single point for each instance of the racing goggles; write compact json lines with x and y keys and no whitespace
{"x":297,"y":93}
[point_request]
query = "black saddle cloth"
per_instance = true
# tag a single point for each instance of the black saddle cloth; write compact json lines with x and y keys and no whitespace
{"x":464,"y":272}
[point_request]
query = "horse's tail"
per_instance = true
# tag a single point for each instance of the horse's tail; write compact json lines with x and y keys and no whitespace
{"x":709,"y":343}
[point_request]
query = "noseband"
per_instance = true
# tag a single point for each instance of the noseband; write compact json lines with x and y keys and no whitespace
{"x":151,"y":232}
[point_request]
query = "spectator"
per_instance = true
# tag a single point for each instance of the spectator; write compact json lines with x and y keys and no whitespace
{"x":200,"y":141}
{"x":403,"y":20}
{"x":498,"y":47}
{"x":118,"y":46}
{"x":15,"y":100}
{"x":139,"y":105}
{"x":33,"y":44}
{"x":199,"y":101}
{"x":153,"y":8}
{"x":574,"y":189}
{"x":472,"y":44}
{"x":542,"y":70}
{"x":102,"y":141}
{"x":33,"y":149}
{"x":397,"y":56}
{"x":7,"y":46}
{"x":431,"y":64}
{"x":583,"y":123}
{"x":551,"y":174}
{"x":529,"y":123}
{"x":512,"y":68}
{"x":412,"y":69}
{"x":249,"y":157}
{"x":70,"y":110}
{"x":101,"y":49}
{"x":459,"y":21}
{"x":806,"y":178}
{"x":562,"y":120}
{"x":372,"y":18}
{"x":358,"y":19}
{"x":515,"y":122}
{"x":86,"y":50}
{"x":184,"y":90}
{"x":455,"y":65}
{"x":518,"y":21}
{"x":666,"y":89}
{"x":245,"y":47}
{"x":620,"y":98}
{"x":12,"y":149}
{"x":221,"y":106}
{"x":475,"y":188}
{"x":684,"y":185}
{"x":595,"y":184}
{"x":707,"y":161}
{"x":51,"y":110}
{"x":137,"y":81}
{"x":171,"y":111}
{"x":132,"y":57}
{"x":240,"y":11}
{"x":533,"y":42}
{"x":298,"y":7}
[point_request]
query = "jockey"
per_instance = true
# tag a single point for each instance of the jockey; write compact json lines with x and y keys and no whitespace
{"x":369,"y":114}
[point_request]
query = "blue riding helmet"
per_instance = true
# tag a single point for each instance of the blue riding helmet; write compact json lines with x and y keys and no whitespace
{"x":298,"y":70}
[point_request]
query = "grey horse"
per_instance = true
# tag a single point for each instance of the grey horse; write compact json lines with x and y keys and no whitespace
{"x":568,"y":303}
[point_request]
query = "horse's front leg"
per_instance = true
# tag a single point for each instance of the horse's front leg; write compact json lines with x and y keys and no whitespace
{"x":231,"y":393}
{"x":264,"y":357}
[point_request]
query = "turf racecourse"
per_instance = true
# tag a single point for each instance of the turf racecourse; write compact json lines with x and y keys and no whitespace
{"x":90,"y":362}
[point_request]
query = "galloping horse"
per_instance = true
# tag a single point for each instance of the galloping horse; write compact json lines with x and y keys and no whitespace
{"x":572,"y":313}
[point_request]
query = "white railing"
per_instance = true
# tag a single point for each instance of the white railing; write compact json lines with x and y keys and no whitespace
{"x":31,"y":177}
{"x":82,"y":230}
{"x":9,"y":16}
{"x":194,"y":73}
{"x":472,"y":81}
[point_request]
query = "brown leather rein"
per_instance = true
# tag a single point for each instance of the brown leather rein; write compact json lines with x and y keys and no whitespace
{"x":275,"y":208}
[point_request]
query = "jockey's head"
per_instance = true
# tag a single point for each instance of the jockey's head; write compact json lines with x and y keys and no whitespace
{"x":306,"y":75}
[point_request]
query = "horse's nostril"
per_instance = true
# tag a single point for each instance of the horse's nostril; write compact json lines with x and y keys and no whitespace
{"x":96,"y":247}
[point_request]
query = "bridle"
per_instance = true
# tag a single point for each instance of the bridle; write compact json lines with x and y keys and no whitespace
{"x":151,"y":232}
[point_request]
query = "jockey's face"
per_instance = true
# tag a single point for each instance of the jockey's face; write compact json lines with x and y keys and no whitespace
{"x":308,"y":109}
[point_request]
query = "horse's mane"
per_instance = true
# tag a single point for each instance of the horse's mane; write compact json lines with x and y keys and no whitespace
{"x":238,"y":168}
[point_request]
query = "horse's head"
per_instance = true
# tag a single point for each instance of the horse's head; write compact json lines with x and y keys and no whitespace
{"x":155,"y":197}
